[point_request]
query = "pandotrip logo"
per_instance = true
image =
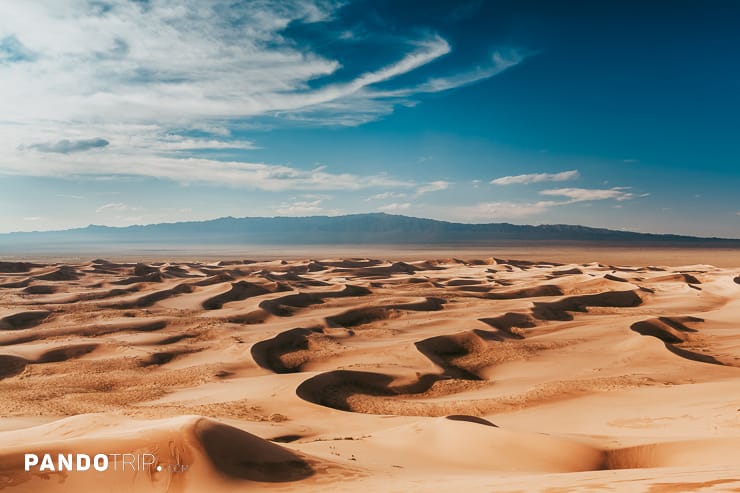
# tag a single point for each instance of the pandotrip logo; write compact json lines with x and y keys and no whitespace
{"x":71,"y":462}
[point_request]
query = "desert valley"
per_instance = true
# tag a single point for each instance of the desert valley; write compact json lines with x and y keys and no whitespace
{"x":358,"y":374}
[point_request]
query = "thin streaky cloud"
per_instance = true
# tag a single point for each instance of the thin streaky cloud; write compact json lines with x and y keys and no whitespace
{"x":589,"y":194}
{"x":116,"y":207}
{"x":369,"y":104}
{"x":395,"y":207}
{"x":179,"y":143}
{"x":385,"y":196}
{"x":484,"y":212}
{"x":301,"y":208}
{"x":536,"y":178}
{"x":499,"y":63}
{"x":257,"y":176}
{"x":434,"y":186}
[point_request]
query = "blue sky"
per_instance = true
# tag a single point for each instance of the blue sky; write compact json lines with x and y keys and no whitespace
{"x":612,"y":114}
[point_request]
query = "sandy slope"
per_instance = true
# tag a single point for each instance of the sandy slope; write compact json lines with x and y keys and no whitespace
{"x":372,"y":375}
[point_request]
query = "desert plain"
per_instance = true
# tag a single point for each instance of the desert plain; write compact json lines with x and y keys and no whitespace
{"x":476,"y":374}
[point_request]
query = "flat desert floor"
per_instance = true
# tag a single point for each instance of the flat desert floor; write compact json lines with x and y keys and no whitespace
{"x":373,"y":375}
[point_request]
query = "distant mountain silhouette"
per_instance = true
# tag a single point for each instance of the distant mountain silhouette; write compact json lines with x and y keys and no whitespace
{"x":377,"y":228}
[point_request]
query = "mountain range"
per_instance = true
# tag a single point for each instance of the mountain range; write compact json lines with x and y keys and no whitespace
{"x":374,"y":228}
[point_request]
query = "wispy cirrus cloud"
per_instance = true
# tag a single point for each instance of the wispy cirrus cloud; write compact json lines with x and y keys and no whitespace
{"x":498,"y":210}
{"x":116,"y":207}
{"x":503,"y":210}
{"x":180,"y":143}
{"x":587,"y":194}
{"x":434,"y":186}
{"x":126,"y":63}
{"x":135,"y":80}
{"x":499,"y":62}
{"x":386,"y":195}
{"x":258,"y":176}
{"x":395,"y":207}
{"x":306,"y":205}
{"x":536,"y":178}
{"x":299,"y":208}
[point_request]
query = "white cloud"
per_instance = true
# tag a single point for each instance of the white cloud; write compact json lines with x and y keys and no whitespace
{"x":386,"y":196}
{"x":300,"y":208}
{"x":200,"y":170}
{"x":118,"y":88}
{"x":180,"y":143}
{"x":500,"y":210}
{"x":500,"y":62}
{"x":536,"y":178}
{"x":116,"y":207}
{"x":434,"y":186}
{"x":587,"y":194}
{"x":428,"y":51}
{"x":395,"y":207}
{"x":32,"y":218}
{"x":129,"y":64}
{"x":130,"y":61}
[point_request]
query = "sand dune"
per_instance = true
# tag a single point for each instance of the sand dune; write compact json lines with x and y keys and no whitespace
{"x":239,"y":291}
{"x":22,"y":319}
{"x":361,"y":374}
{"x":218,"y":455}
